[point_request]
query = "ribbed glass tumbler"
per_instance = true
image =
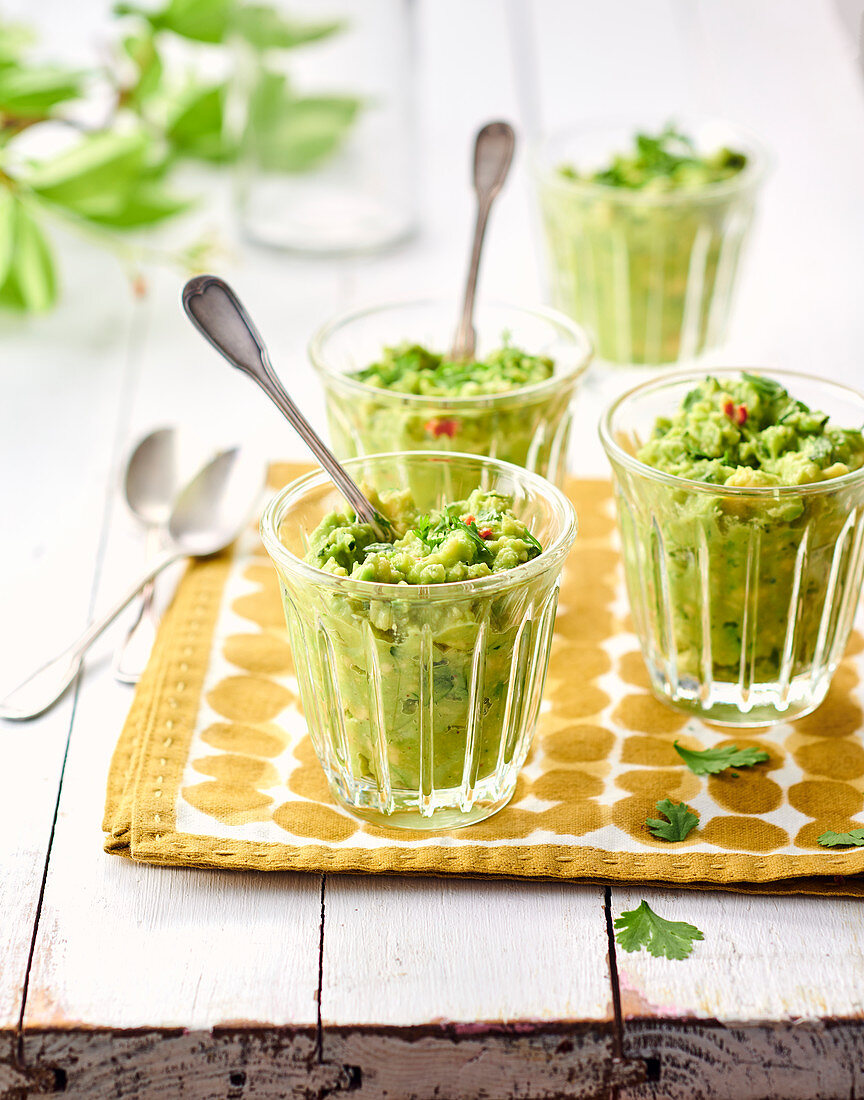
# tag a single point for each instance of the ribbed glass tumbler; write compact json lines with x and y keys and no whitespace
{"x":529,"y":426}
{"x":421,"y":701}
{"x":743,"y":598}
{"x":651,"y":274}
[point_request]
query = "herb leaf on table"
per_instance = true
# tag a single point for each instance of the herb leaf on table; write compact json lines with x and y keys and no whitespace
{"x":853,"y":839}
{"x":642,"y":927}
{"x":681,"y":821}
{"x":714,"y":761}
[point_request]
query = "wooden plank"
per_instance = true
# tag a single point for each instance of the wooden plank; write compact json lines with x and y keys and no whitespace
{"x":199,"y":949}
{"x":65,"y":376}
{"x":402,"y":952}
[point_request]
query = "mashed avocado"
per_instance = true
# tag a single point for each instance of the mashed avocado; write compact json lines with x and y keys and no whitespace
{"x":469,"y":539}
{"x":744,"y":579}
{"x":527,"y":429}
{"x":414,"y":369}
{"x":439,"y":662}
{"x":750,"y":432}
{"x":668,"y":161}
{"x":644,"y":250}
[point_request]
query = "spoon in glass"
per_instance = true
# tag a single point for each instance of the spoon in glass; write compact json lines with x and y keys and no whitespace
{"x":218,"y":314}
{"x":208,"y":515}
{"x":493,"y":155}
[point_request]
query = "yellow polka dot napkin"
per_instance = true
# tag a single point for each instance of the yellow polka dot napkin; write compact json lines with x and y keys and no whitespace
{"x":214,"y":766}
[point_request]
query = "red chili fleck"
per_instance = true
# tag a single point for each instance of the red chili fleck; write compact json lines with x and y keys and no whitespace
{"x":741,"y":415}
{"x":729,"y":409}
{"x":442,"y":427}
{"x":470,"y":519}
{"x":486,"y":533}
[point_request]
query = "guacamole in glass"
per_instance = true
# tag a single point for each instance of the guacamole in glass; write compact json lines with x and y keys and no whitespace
{"x":390,"y":384}
{"x":743,"y":557}
{"x":464,"y":541}
{"x":644,"y":247}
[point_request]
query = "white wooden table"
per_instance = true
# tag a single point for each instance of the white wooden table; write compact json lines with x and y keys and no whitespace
{"x":120,"y":980}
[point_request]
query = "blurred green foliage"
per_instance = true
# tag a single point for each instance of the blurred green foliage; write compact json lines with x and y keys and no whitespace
{"x":116,"y":177}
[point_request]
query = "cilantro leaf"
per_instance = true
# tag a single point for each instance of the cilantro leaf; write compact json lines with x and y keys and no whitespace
{"x":765,"y":387}
{"x":852,"y":839}
{"x":681,"y":821}
{"x":529,"y":538}
{"x":483,"y":551}
{"x":642,"y":927}
{"x":713,"y":761}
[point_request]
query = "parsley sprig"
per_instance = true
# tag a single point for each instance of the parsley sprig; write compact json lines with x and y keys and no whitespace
{"x":681,"y":821}
{"x":853,"y":839}
{"x":642,"y":927}
{"x":714,"y":761}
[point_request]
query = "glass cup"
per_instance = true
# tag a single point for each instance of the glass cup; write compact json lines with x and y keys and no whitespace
{"x":650,"y":274}
{"x":742,"y":597}
{"x":421,"y":700}
{"x":529,"y":426}
{"x":325,"y":121}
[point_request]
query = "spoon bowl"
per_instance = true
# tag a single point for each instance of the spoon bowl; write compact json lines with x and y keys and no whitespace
{"x":209,"y":515}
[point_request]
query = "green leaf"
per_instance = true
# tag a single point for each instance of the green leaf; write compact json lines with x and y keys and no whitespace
{"x":852,"y":839}
{"x":199,"y":20}
{"x":31,"y":92}
{"x":14,"y":41}
{"x":96,"y":167}
{"x":30,"y":282}
{"x":141,"y":50}
{"x":642,"y":927}
{"x":266,"y":28}
{"x":197,"y":127}
{"x":294,"y":134}
{"x":144,"y":205}
{"x":765,"y":387}
{"x":681,"y":821}
{"x":713,"y":761}
{"x":7,"y":231}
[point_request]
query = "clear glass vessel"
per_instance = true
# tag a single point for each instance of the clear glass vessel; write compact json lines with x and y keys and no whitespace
{"x":529,"y":426}
{"x":743,"y":598}
{"x":421,"y":701}
{"x":650,"y":274}
{"x":323,"y":108}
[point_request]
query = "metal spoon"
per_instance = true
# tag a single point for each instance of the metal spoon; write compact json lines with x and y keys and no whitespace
{"x":208,"y":515}
{"x":216,"y":311}
{"x":493,"y":154}
{"x":157,"y":469}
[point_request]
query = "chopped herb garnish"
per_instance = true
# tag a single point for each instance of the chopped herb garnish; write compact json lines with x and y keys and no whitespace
{"x":713,"y":761}
{"x":642,"y":927}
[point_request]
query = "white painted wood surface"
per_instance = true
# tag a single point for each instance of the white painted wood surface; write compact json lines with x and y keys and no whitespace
{"x":234,"y":959}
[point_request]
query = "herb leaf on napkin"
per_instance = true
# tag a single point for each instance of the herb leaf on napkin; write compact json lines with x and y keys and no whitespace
{"x":642,"y":927}
{"x":681,"y":821}
{"x":713,"y":761}
{"x":853,"y":839}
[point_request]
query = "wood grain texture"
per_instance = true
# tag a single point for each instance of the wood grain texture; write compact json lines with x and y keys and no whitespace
{"x":402,"y":952}
{"x":700,"y":1061}
{"x":762,"y":959}
{"x":50,"y":544}
{"x":401,"y":1064}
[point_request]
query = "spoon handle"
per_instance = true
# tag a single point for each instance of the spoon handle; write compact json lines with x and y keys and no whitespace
{"x":493,"y":155}
{"x":132,"y":654}
{"x":44,"y":687}
{"x":220,"y":317}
